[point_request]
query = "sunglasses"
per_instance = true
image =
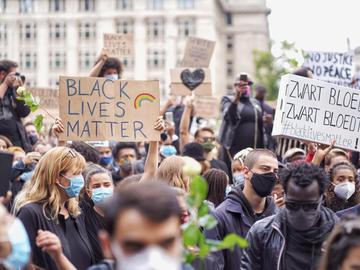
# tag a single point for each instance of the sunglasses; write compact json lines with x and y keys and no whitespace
{"x":296,"y":206}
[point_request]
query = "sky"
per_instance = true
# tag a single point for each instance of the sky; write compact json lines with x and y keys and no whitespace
{"x":316,"y":25}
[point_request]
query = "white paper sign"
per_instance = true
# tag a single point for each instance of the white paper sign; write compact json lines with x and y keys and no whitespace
{"x":331,"y":67}
{"x":318,"y":111}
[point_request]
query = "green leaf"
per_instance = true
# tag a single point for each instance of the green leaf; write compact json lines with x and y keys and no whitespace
{"x":198,"y":190}
{"x":203,"y":210}
{"x":38,"y":122}
{"x":232,"y":240}
{"x":204,"y":250}
{"x":189,"y":257}
{"x":191,"y":235}
{"x":208,"y":222}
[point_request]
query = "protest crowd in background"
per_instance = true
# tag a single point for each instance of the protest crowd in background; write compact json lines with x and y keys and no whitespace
{"x":115,"y":204}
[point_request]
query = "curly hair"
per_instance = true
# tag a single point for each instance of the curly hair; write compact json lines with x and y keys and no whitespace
{"x":114,"y":63}
{"x":122,"y":145}
{"x":304,"y":174}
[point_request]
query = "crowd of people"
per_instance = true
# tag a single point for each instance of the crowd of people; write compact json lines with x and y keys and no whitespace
{"x":102,"y":205}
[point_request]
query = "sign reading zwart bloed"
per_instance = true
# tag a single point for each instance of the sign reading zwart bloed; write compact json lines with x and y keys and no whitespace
{"x":318,"y":111}
{"x":331,"y":67}
{"x":95,"y":109}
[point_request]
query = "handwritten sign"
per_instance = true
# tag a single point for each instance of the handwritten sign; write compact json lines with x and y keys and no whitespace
{"x":198,"y":52}
{"x":318,"y":111}
{"x":118,"y":45}
{"x":207,"y":107}
{"x":49,"y":98}
{"x":331,"y":67}
{"x":184,"y":81}
{"x":95,"y":109}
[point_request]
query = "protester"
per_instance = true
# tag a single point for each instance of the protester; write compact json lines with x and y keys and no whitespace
{"x":42,"y":147}
{"x":181,"y":198}
{"x":98,"y":187}
{"x":12,"y":109}
{"x":143,"y":222}
{"x":242,"y":124}
{"x":237,"y":166}
{"x":171,"y":172}
{"x":302,"y":226}
{"x":268,"y":115}
{"x":242,"y":208}
{"x":90,"y":154}
{"x":5,"y":143}
{"x":294,"y":155}
{"x":217,"y":182}
{"x":14,"y":244}
{"x":342,"y":248}
{"x":49,"y":203}
{"x":105,"y":153}
{"x":196,"y":151}
{"x":343,"y":192}
{"x":108,"y":67}
{"x":31,"y":133}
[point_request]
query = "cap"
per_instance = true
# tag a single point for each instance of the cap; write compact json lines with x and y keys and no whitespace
{"x":291,"y":153}
{"x":194,"y":150}
{"x":243,"y":77}
{"x":99,"y":143}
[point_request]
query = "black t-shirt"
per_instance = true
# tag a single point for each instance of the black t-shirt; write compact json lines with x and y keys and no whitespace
{"x":33,"y":218}
{"x":93,"y":223}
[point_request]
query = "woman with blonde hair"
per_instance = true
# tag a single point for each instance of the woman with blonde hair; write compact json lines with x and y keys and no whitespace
{"x":49,"y":203}
{"x":171,"y":172}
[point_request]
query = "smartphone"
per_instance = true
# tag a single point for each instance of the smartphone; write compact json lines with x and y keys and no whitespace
{"x":6,"y":161}
{"x":169,"y":116}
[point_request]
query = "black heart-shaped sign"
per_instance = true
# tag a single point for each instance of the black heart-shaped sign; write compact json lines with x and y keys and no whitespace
{"x":192,"y":79}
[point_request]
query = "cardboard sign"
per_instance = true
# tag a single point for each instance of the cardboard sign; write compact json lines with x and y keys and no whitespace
{"x":198,"y":52}
{"x":118,"y":45}
{"x":184,"y":81}
{"x":331,"y":67}
{"x":49,"y":98}
{"x":207,"y":107}
{"x":318,"y":111}
{"x":95,"y":109}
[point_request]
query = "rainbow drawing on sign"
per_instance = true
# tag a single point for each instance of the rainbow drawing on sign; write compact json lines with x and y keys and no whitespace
{"x":141,"y":98}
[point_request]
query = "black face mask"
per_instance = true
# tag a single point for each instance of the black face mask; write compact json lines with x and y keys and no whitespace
{"x":33,"y":139}
{"x":263,"y":183}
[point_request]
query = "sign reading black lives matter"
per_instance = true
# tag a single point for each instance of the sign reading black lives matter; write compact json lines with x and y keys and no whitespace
{"x":331,"y":67}
{"x":318,"y":111}
{"x":95,"y":109}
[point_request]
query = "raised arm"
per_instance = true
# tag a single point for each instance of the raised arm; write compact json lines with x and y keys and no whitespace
{"x":185,"y":122}
{"x":58,"y":128}
{"x":152,"y":158}
{"x":95,"y":70}
{"x":170,"y":102}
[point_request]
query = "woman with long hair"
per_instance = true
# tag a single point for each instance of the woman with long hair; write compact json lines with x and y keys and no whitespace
{"x":49,"y":203}
{"x":217,"y":182}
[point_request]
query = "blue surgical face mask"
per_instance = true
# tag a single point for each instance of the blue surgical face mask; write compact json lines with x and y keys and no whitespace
{"x":168,"y":150}
{"x":76,"y":184}
{"x":104,"y":161}
{"x":238,"y":179}
{"x":101,"y":194}
{"x":20,"y":247}
{"x":26,"y":176}
{"x":112,"y":77}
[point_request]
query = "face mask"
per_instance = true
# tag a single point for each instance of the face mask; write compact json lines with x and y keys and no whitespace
{"x":26,"y":176}
{"x":238,"y":179}
{"x":104,"y":161}
{"x":33,"y":138}
{"x":264,"y":183}
{"x":101,"y":194}
{"x":302,"y":220}
{"x":246,"y":90}
{"x":208,"y":146}
{"x":151,"y":258}
{"x":168,"y":150}
{"x":20,"y":247}
{"x":76,"y":184}
{"x":126,"y":165}
{"x":344,"y":190}
{"x":112,"y":77}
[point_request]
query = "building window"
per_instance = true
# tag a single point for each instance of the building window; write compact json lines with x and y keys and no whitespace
{"x":229,"y":43}
{"x":54,"y":82}
{"x":3,"y":55}
{"x":156,"y":59}
{"x":155,"y":4}
{"x":124,"y":4}
{"x":2,"y":6}
{"x":86,"y":60}
{"x":28,"y":60}
{"x":26,"y":6}
{"x":186,"y":27}
{"x":186,"y":4}
{"x":3,"y":33}
{"x":155,"y":29}
{"x":27,"y":31}
{"x":125,"y":26}
{"x":57,"y":31}
{"x":57,"y":60}
{"x":87,"y":5}
{"x":229,"y":68}
{"x":128,"y":62}
{"x":228,"y":19}
{"x":30,"y":82}
{"x":56,"y":5}
{"x":87,"y":31}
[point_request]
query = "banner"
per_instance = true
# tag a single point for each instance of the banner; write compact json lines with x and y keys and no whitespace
{"x":318,"y":111}
{"x":95,"y":109}
{"x":207,"y":107}
{"x":331,"y":67}
{"x":198,"y":52}
{"x":118,"y":45}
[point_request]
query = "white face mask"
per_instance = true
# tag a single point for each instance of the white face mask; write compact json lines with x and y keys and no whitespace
{"x":151,"y":258}
{"x":112,"y":77}
{"x":344,"y":190}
